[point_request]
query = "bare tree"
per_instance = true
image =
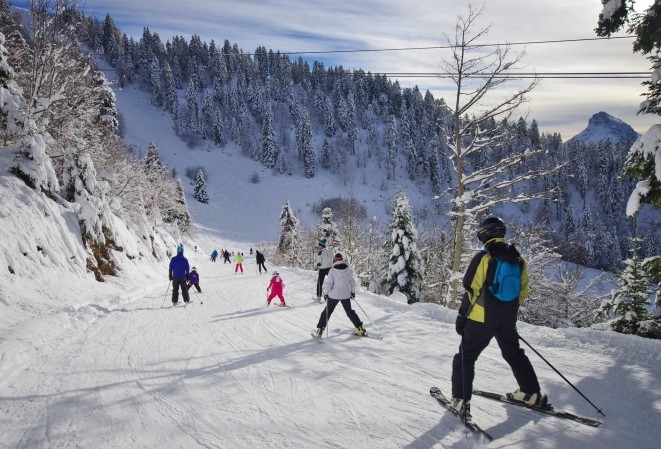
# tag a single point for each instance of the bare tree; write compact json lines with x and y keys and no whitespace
{"x":481,"y":183}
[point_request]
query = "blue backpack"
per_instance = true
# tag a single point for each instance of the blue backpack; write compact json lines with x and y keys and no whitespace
{"x":506,"y":283}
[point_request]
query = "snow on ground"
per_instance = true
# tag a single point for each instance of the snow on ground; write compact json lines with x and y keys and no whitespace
{"x":106,"y":365}
{"x":232,"y":373}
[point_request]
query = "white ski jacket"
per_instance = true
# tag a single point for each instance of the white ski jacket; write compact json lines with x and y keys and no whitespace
{"x":339,"y":284}
{"x":324,"y":259}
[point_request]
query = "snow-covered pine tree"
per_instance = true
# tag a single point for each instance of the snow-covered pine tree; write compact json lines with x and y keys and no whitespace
{"x":288,"y":243}
{"x":329,"y":120}
{"x":326,"y":154}
{"x":200,"y":188}
{"x":391,"y":142}
{"x":305,"y":145}
{"x":631,"y":299}
{"x":327,"y":229}
{"x":270,"y":149}
{"x":178,"y":212}
{"x":218,"y":129}
{"x":405,"y":269}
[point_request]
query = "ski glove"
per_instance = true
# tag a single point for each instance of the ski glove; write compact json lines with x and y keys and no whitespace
{"x":353,"y":296}
{"x":170,"y":277}
{"x":325,"y":297}
{"x":460,"y":324}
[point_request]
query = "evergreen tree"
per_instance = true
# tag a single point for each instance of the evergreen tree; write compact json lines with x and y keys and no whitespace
{"x":156,"y":84}
{"x":178,"y":212}
{"x":288,"y":243}
{"x":200,"y":188}
{"x":326,"y":154}
{"x":405,"y":268}
{"x":329,"y":121}
{"x":434,"y":170}
{"x":305,"y":145}
{"x":169,"y":89}
{"x":631,"y":299}
{"x":391,"y":142}
{"x":327,"y":229}
{"x":270,"y":149}
{"x":218,"y":129}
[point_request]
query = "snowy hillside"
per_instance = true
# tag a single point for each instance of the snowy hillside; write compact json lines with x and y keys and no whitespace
{"x":105,"y":365}
{"x":227,"y":372}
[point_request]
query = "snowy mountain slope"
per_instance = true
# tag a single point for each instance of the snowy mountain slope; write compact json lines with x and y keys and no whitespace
{"x":231,"y":373}
{"x":602,"y":126}
{"x":103,"y":365}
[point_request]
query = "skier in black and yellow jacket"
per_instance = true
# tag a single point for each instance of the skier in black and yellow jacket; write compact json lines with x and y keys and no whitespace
{"x":482,"y":316}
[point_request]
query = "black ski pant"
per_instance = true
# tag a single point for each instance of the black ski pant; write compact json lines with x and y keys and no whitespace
{"x":320,"y":280}
{"x":176,"y":283}
{"x":261,"y":265}
{"x":328,"y":311}
{"x":476,"y":337}
{"x":197,"y":287}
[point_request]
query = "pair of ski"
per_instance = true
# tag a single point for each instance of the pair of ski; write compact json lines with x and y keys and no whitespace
{"x":319,"y":339}
{"x":549,"y":410}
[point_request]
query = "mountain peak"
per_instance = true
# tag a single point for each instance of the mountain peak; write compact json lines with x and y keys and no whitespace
{"x":603,"y":126}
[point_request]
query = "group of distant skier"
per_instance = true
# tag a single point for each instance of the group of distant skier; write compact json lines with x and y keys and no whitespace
{"x":495,"y":282}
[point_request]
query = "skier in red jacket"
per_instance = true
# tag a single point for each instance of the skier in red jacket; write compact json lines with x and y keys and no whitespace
{"x":276,"y":286}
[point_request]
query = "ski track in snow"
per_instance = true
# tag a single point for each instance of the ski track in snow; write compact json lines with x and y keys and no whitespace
{"x":233,"y":373}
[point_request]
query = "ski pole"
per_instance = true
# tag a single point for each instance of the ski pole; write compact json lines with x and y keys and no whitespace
{"x":368,"y":317}
{"x":166,"y":294}
{"x":563,"y":377}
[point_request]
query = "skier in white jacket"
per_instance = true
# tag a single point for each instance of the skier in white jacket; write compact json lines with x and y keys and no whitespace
{"x":324,"y":262}
{"x":340,"y":287}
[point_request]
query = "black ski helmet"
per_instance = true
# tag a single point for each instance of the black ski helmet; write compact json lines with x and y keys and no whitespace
{"x":490,"y":228}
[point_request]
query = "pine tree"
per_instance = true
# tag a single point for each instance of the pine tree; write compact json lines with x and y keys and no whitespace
{"x":405,"y":268}
{"x":631,"y":299}
{"x":200,"y":188}
{"x":326,"y":154}
{"x":270,"y":149}
{"x":178,"y":213}
{"x":305,"y":145}
{"x":327,"y":229}
{"x":391,"y":142}
{"x":288,"y":243}
{"x":218,"y":129}
{"x":329,"y":121}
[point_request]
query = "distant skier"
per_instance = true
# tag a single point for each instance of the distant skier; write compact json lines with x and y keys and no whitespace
{"x":276,"y":286}
{"x":340,"y":287}
{"x":238,"y":260}
{"x":214,"y":254}
{"x":324,"y":262}
{"x":178,"y":273}
{"x":194,"y":280}
{"x":482,"y":316}
{"x":226,"y":257}
{"x":251,"y":251}
{"x":259,"y":257}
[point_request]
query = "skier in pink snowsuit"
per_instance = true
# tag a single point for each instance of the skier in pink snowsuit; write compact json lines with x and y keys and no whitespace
{"x":276,"y":286}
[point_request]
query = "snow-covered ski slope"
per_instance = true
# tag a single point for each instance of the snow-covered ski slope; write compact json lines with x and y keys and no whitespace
{"x":103,"y":365}
{"x":232,"y":373}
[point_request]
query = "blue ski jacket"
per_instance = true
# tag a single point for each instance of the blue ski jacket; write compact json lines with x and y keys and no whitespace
{"x":179,"y":267}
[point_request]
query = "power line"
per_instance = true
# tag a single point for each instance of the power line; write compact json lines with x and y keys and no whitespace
{"x":440,"y":47}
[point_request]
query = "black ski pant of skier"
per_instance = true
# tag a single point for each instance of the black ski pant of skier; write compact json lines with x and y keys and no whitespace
{"x":475,"y":338}
{"x":320,"y":280}
{"x":260,"y":266}
{"x":197,"y":287}
{"x":328,"y":311}
{"x":176,"y":283}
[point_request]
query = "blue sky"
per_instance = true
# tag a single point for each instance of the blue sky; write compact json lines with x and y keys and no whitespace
{"x":559,"y":105}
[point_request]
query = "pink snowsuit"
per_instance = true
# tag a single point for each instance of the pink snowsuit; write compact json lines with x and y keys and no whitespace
{"x":276,"y":286}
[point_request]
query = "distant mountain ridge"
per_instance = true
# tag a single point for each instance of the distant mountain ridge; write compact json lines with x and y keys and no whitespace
{"x":603,"y":126}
